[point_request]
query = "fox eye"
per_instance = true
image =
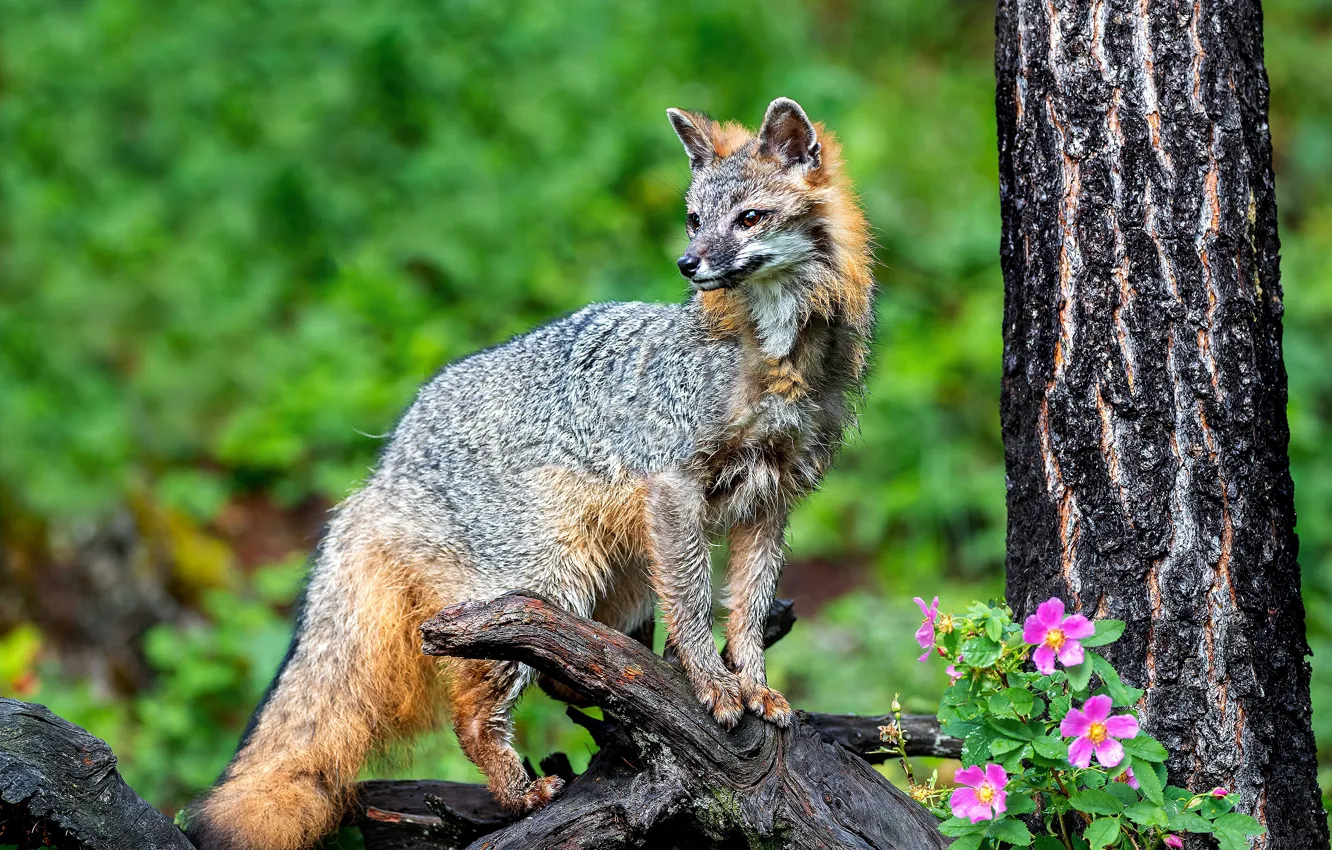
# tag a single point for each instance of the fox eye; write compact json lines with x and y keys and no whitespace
{"x":692,"y":222}
{"x":749,"y":218}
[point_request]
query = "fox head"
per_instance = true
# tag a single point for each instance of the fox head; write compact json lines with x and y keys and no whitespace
{"x":771,"y":216}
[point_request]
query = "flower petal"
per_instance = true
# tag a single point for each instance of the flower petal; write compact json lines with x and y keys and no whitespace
{"x":1071,"y":654}
{"x":972,"y":776}
{"x":1078,"y":627}
{"x":1034,"y":631}
{"x":934,"y":609}
{"x":1074,"y":724}
{"x":1044,"y":657}
{"x":925,"y":635}
{"x":1000,"y":802}
{"x":1109,"y":753}
{"x":981,"y":812}
{"x":924,"y":609}
{"x":1122,"y":726}
{"x":1080,"y":752}
{"x":962,"y":802}
{"x":926,"y":655}
{"x":996,"y":776}
{"x":1097,"y":708}
{"x":1051,"y":613}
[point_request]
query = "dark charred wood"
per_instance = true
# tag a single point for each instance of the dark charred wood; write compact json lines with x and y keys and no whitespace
{"x":425,"y":815}
{"x":860,"y":735}
{"x":59,"y":787}
{"x":1144,"y":394}
{"x":666,"y":774}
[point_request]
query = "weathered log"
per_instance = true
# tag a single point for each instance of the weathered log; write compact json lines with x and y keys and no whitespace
{"x":59,"y":787}
{"x":859,"y":734}
{"x":666,"y":774}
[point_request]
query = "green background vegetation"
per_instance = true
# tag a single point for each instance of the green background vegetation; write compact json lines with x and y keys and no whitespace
{"x":235,"y":237}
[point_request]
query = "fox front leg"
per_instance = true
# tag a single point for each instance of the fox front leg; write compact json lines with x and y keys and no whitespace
{"x":756,"y":564}
{"x":682,"y":578}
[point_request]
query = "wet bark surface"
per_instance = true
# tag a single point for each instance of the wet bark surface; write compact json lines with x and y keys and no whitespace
{"x":1144,"y":392}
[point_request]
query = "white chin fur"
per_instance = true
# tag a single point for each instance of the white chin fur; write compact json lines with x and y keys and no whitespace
{"x":771,"y":294}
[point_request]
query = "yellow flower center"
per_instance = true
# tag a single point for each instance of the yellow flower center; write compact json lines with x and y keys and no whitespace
{"x":945,"y":624}
{"x":1097,"y":733}
{"x":985,"y":793}
{"x":1055,"y":639}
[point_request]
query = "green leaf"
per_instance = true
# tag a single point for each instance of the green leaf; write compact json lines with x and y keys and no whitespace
{"x":958,"y":728}
{"x":1123,"y":793}
{"x":1114,"y":686}
{"x":1188,"y":822}
{"x":976,"y":746}
{"x":1233,"y":831}
{"x":981,"y":651}
{"x":1020,"y":804}
{"x":994,"y":624}
{"x":954,"y":827}
{"x":1001,"y":704}
{"x":1010,"y":728}
{"x":1059,"y":706}
{"x":1001,"y":746}
{"x":1048,"y":842}
{"x":1013,"y":831}
{"x":1144,"y":748}
{"x":967,"y":842}
{"x":1050,"y":747}
{"x":1095,"y":802}
{"x":1107,"y":631}
{"x":1021,"y":699}
{"x":1080,"y":676}
{"x":1037,"y":707}
{"x":1102,"y":832}
{"x":1146,"y":814}
{"x":1149,"y":784}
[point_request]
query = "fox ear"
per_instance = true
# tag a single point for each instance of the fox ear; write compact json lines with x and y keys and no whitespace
{"x":693,"y":132}
{"x":787,"y":134}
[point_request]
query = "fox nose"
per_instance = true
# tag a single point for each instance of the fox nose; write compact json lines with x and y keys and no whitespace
{"x":689,"y":264}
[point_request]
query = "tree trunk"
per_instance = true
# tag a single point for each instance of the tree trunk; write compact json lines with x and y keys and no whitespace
{"x":1144,"y":394}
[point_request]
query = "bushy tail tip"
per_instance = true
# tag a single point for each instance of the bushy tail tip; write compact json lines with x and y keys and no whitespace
{"x":270,"y":811}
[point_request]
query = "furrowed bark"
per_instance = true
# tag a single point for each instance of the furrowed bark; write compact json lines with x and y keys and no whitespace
{"x":666,"y":774}
{"x":1144,"y":391}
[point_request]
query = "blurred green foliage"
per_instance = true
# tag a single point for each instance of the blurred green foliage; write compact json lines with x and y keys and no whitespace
{"x":234,"y":238}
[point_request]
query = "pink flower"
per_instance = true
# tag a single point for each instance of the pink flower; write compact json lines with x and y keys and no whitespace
{"x":1219,"y":792}
{"x":1174,"y":841}
{"x":1097,"y":731}
{"x":983,"y":796}
{"x":925,"y":634}
{"x":952,"y":671}
{"x":1055,"y":635}
{"x":1128,"y":779}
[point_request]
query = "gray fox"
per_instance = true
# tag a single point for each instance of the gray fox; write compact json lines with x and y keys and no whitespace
{"x":592,"y":461}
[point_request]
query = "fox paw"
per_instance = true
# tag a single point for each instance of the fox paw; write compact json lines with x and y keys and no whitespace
{"x":721,"y":696}
{"x":766,"y":703}
{"x":540,"y":792}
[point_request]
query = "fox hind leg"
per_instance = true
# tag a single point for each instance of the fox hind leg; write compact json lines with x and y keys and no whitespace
{"x":482,"y":694}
